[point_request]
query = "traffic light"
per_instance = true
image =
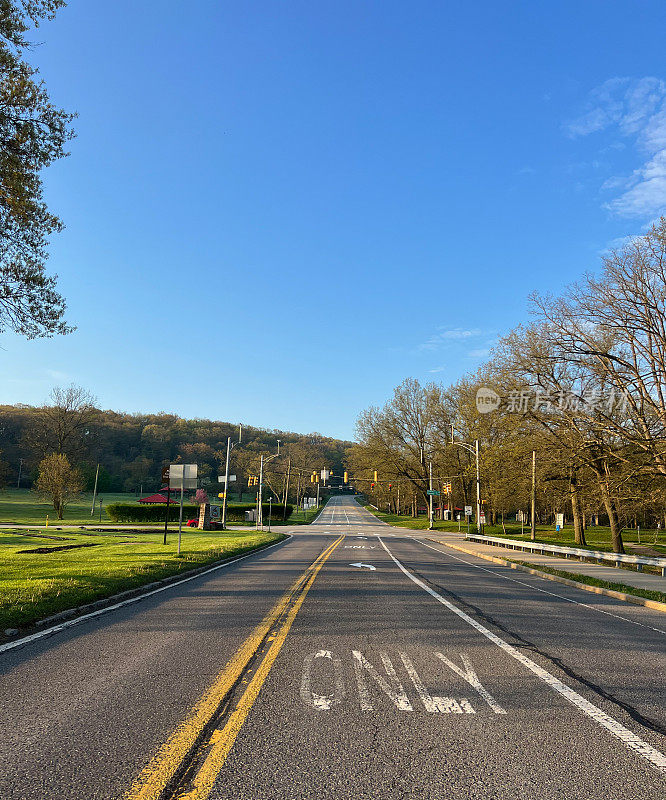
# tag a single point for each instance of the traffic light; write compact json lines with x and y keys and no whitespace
{"x":312,"y":478}
{"x":390,"y":486}
{"x":345,"y":478}
{"x":372,"y":485}
{"x":375,"y":477}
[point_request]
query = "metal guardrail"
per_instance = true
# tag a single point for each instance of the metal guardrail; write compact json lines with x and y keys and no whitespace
{"x":597,"y":555}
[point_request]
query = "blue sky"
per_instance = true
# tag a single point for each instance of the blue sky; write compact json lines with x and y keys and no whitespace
{"x":300,"y":204}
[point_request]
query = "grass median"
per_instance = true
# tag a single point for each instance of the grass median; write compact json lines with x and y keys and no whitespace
{"x":598,"y":537}
{"x":41,"y":575}
{"x":648,"y":594}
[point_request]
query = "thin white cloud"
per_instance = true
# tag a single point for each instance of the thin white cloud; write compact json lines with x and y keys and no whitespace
{"x":479,"y":352}
{"x":437,"y":369}
{"x":56,"y":375}
{"x":447,"y":335}
{"x":634,"y":109}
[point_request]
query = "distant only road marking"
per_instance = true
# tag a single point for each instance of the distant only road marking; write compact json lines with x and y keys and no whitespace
{"x":33,"y":637}
{"x":627,"y":737}
{"x":194,"y":732}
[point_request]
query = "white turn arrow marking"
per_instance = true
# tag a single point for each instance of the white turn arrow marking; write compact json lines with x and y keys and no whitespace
{"x":366,"y":566}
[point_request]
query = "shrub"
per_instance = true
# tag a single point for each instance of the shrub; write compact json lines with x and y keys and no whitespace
{"x":130,"y":512}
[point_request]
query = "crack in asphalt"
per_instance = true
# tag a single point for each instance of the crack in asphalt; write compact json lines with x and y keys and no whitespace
{"x":526,"y":644}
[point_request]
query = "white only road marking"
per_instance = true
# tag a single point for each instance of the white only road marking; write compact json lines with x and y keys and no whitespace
{"x":360,"y":565}
{"x":434,"y":705}
{"x":631,"y":740}
{"x":394,"y":691}
{"x":320,"y":701}
{"x":71,"y":622}
{"x":536,"y":588}
{"x":472,"y":678}
{"x":358,"y":547}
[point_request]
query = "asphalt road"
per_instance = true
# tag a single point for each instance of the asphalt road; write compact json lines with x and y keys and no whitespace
{"x":387,"y":666}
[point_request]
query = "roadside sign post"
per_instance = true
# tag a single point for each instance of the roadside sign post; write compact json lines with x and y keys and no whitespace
{"x":165,"y":479}
{"x":184,"y":476}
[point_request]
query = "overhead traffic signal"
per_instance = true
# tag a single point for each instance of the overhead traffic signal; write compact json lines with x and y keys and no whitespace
{"x":372,"y":485}
{"x":345,"y":479}
{"x":375,"y":478}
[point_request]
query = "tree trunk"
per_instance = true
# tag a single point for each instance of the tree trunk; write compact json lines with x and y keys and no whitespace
{"x":578,"y":520}
{"x":611,"y":510}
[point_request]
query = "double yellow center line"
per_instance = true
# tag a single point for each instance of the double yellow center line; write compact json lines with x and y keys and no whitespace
{"x":188,"y":763}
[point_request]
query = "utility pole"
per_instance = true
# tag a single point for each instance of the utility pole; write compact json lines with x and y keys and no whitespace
{"x":286,"y":491}
{"x":18,"y":482}
{"x":92,"y":509}
{"x":533,"y":527}
{"x":226,"y":485}
{"x":430,"y":520}
{"x":478,"y":488}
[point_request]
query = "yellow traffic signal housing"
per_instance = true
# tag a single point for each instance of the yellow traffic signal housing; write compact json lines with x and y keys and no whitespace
{"x":375,"y":479}
{"x":345,"y":478}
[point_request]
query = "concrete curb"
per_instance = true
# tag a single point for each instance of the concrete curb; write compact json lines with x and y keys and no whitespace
{"x":628,"y":598}
{"x":137,"y":592}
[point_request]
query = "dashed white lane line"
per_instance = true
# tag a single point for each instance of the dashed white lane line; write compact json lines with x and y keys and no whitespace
{"x":536,"y":588}
{"x":631,"y":740}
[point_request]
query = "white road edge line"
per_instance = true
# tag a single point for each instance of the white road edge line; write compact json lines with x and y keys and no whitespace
{"x":536,"y":588}
{"x":631,"y":740}
{"x":71,"y":622}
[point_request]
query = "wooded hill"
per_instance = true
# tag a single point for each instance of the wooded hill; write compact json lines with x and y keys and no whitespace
{"x":131,"y":449}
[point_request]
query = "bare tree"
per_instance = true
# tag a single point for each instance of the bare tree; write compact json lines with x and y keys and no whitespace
{"x":64,"y":426}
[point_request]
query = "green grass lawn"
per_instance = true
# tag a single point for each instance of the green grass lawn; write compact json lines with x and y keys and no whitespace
{"x":598,"y":538}
{"x":36,"y":585}
{"x":25,"y":507}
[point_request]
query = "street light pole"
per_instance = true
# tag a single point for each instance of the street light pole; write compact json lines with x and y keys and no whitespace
{"x":260,"y":512}
{"x":230,"y":447}
{"x":475,"y":451}
{"x":260,"y":515}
